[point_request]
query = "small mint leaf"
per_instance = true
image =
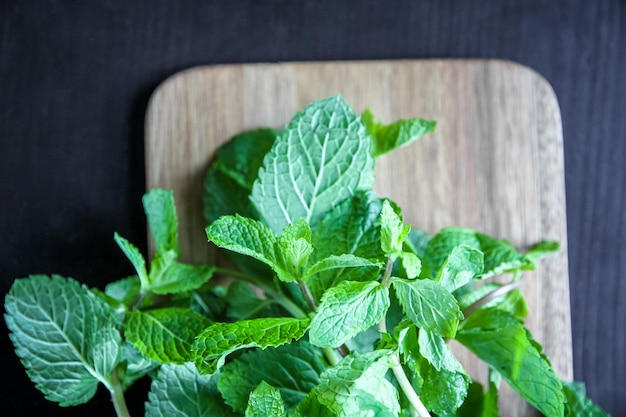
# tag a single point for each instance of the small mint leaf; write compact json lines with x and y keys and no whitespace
{"x":180,"y":391}
{"x":411,"y":264}
{"x":436,"y":351}
{"x":461,"y":266}
{"x":220,"y":339}
{"x":295,"y":243}
{"x":166,"y":334}
{"x":541,"y":250}
{"x":134,"y":256}
{"x":177,"y":277}
{"x":386,"y":138}
{"x":393,"y":232}
{"x":161,"y":214}
{"x":265,"y":401}
{"x":340,"y":262}
{"x":320,"y":158}
{"x":346,"y":310}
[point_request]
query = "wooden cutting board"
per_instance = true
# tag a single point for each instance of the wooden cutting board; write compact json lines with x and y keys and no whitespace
{"x":494,"y":164}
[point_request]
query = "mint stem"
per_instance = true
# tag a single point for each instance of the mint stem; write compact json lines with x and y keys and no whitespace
{"x":503,"y":290}
{"x":117,"y":395}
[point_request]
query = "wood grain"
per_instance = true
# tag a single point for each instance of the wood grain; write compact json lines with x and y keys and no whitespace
{"x":495,"y":162}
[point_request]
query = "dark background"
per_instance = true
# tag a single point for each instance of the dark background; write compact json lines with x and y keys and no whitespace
{"x":75,"y":78}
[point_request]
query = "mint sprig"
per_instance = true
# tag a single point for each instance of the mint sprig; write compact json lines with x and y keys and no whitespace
{"x":332,"y":304}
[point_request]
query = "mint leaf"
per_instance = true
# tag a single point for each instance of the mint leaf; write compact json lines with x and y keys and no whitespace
{"x":386,"y":138}
{"x":180,"y":391}
{"x":501,"y":341}
{"x":329,"y":271}
{"x":393,"y":232}
{"x":252,"y":238}
{"x":311,"y":406}
{"x":300,"y":365}
{"x":171,"y":277}
{"x":578,"y":405}
{"x":135,"y":257}
{"x":541,"y":250}
{"x":411,"y":264}
{"x":219,"y":339}
{"x":460,"y":267}
{"x":242,"y":301}
{"x":161,"y":214}
{"x":320,"y":159}
{"x":125,"y":290}
{"x":65,"y":336}
{"x":265,"y":401}
{"x":136,"y":365}
{"x":346,"y":310}
{"x":358,"y":381}
{"x":443,"y":391}
{"x":499,"y":255}
{"x":165,"y":334}
{"x":436,"y":351}
{"x":295,"y":244}
{"x":428,"y":305}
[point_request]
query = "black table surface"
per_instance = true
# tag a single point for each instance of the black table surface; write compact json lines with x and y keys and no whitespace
{"x":75,"y":79}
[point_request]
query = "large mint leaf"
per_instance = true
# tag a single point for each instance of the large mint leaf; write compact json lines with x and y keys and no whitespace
{"x":218,"y":340}
{"x":346,"y":310}
{"x":500,"y":340}
{"x":180,"y":391}
{"x":386,"y":138}
{"x":321,"y":158}
{"x":428,"y":305}
{"x":65,"y":336}
{"x":161,"y":214}
{"x":358,"y":382}
{"x":252,"y":238}
{"x":165,"y":334}
{"x":229,"y":180}
{"x":300,"y":365}
{"x":265,"y":401}
{"x":436,"y":351}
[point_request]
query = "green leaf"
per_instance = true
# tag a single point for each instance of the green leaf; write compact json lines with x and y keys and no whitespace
{"x":136,"y":366}
{"x":501,"y":341}
{"x":252,"y":238}
{"x":320,"y":159}
{"x":295,"y":244}
{"x":578,"y":405}
{"x":393,"y":232}
{"x":180,"y":391}
{"x":499,"y":255}
{"x":411,"y":264}
{"x":416,"y":242}
{"x":460,"y":267}
{"x":436,"y":351}
{"x":340,"y":262}
{"x":173,"y":277}
{"x":386,"y":138}
{"x":298,"y":373}
{"x":346,"y":310}
{"x":265,"y":401}
{"x":243,"y":302}
{"x":218,"y":340}
{"x":428,"y":305}
{"x":124,"y":290}
{"x":165,"y":334}
{"x":65,"y":336}
{"x":161,"y":214}
{"x":310,"y":406}
{"x":135,"y":257}
{"x":358,"y":381}
{"x":443,"y":391}
{"x":541,"y":250}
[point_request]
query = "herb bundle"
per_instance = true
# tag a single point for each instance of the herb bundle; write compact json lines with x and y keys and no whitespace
{"x":334,"y":306}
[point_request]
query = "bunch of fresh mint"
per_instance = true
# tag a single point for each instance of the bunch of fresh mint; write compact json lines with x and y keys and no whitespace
{"x":335,"y":307}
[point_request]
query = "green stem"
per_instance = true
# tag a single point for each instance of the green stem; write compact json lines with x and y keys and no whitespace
{"x":397,"y":369}
{"x":502,"y":291}
{"x":117,"y":395}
